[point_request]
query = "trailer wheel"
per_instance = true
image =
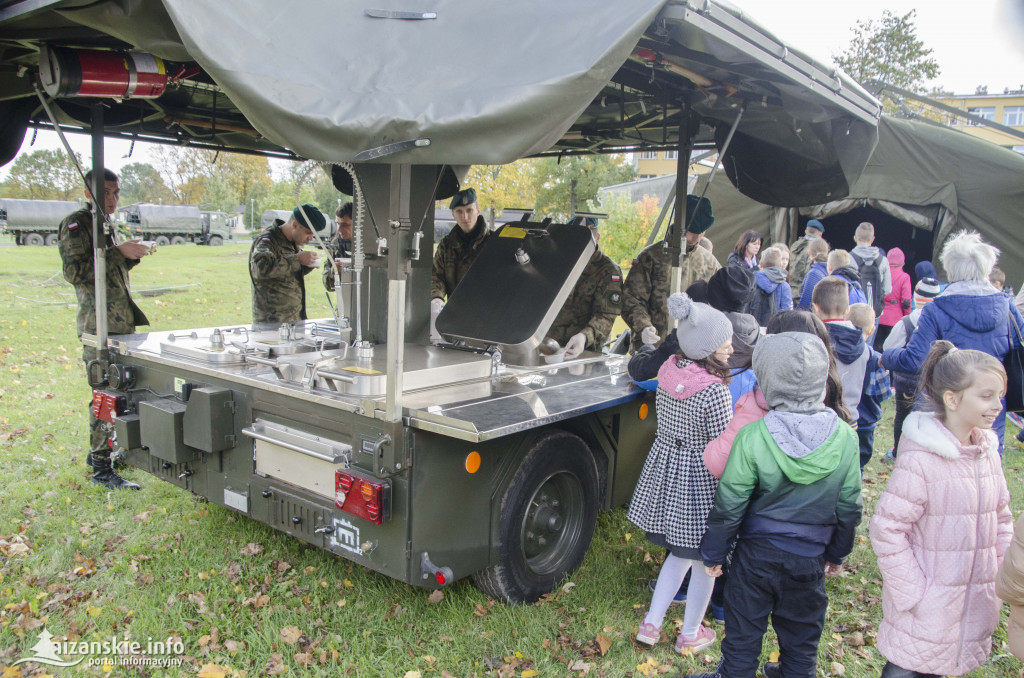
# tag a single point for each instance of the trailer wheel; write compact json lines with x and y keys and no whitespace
{"x":177,"y":240}
{"x":216,"y":240}
{"x":547,"y":520}
{"x":162,"y":241}
{"x":51,"y":239}
{"x":33,"y":240}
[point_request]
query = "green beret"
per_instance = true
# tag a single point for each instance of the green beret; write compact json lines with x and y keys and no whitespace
{"x":319,"y":222}
{"x":464,"y":197}
{"x":704,"y":218}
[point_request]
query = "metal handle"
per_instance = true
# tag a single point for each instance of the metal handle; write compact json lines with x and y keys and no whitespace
{"x":337,"y":377}
{"x":258,"y":435}
{"x":260,"y":361}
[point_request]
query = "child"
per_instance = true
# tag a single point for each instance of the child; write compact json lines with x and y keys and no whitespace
{"x":905,"y":383}
{"x":942,"y":525}
{"x":783,"y":249}
{"x":865,"y":384}
{"x":817,"y":254}
{"x":1010,"y":587}
{"x":773,"y":293}
{"x":790,"y":494}
{"x":675,"y":492}
{"x":863,"y":318}
{"x":897,"y":302}
{"x":841,"y":266}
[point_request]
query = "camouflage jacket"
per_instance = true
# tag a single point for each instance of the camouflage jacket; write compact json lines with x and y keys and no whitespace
{"x":593,"y":304}
{"x":76,"y":255}
{"x":337,"y":249}
{"x":799,"y":264}
{"x":278,"y":288}
{"x":647,"y":287}
{"x":454,"y":257}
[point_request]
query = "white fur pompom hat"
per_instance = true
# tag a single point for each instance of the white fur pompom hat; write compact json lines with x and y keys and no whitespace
{"x":701,"y":328}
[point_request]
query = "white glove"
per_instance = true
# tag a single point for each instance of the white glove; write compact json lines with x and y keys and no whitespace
{"x":435,"y":308}
{"x":575,"y":346}
{"x":649,"y":335}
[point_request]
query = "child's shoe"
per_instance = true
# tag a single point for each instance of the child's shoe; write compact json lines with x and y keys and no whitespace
{"x":705,"y":638}
{"x":678,"y":599}
{"x":718,"y":613}
{"x":648,"y":634}
{"x":890,"y":456}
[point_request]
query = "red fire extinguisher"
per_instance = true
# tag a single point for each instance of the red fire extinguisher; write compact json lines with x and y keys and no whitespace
{"x":68,"y":72}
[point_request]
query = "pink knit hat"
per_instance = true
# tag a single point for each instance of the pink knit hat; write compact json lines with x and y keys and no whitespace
{"x":896,"y":257}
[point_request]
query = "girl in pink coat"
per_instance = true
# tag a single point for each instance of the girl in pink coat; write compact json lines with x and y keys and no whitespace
{"x":942,"y":525}
{"x":897,"y":302}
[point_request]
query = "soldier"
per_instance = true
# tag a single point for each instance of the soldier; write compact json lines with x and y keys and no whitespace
{"x":76,"y":254}
{"x":340,"y":245}
{"x":277,"y":266}
{"x":456,"y":252}
{"x":647,"y":283}
{"x":590,"y":310}
{"x":799,"y":261}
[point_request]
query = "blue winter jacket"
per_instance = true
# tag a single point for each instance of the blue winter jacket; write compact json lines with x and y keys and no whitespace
{"x":773,"y":279}
{"x":817,"y":271}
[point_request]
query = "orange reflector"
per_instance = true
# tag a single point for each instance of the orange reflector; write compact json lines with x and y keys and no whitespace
{"x":644,"y":409}
{"x":473,"y":462}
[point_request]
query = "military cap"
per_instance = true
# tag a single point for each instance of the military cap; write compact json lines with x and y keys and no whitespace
{"x":464,"y":197}
{"x":319,"y":222}
{"x":704,"y":218}
{"x":814,"y":223}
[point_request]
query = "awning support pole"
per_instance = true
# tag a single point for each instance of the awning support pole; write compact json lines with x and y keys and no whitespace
{"x":99,"y":240}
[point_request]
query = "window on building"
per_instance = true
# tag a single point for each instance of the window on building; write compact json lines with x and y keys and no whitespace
{"x":648,"y":155}
{"x":986,"y":112}
{"x":1013,"y":116}
{"x":671,"y":155}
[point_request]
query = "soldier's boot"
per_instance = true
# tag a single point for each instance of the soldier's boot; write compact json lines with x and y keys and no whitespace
{"x":103,"y":474}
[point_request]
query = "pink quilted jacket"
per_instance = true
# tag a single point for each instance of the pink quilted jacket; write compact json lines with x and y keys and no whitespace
{"x":940,"y":530}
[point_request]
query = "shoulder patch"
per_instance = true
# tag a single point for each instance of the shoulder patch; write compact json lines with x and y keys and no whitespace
{"x":616,"y":277}
{"x":73,"y":226}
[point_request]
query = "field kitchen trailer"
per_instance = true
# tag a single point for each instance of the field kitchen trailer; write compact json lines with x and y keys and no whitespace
{"x":475,"y":458}
{"x":34,"y":222}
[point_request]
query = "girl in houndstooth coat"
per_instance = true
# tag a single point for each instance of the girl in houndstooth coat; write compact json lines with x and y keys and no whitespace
{"x":675,"y":491}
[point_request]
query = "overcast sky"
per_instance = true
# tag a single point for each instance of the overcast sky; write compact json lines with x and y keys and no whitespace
{"x":976,"y":43}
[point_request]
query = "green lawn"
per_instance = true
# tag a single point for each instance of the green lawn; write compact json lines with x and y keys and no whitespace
{"x":160,"y":563}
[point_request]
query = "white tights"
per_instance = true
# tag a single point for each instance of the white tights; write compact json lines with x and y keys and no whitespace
{"x":698,"y":593}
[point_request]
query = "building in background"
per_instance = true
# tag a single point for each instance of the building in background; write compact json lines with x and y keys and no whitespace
{"x":1005,"y":109}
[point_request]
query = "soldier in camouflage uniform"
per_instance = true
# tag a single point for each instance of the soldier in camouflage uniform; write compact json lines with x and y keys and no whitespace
{"x":123,"y":315}
{"x":587,"y":316}
{"x":277,"y":266}
{"x":647,"y":286}
{"x":799,"y":262}
{"x":340,"y":246}
{"x":456,"y":252}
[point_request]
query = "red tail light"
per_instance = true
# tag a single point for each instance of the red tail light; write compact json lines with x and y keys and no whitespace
{"x":106,"y":405}
{"x":363,"y":497}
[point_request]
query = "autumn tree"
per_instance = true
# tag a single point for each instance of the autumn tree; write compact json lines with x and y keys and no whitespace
{"x":559,"y":179}
{"x":44,"y":175}
{"x":185,"y":171}
{"x":629,"y":224}
{"x":140,"y":182}
{"x":501,"y":186}
{"x":889,"y":51}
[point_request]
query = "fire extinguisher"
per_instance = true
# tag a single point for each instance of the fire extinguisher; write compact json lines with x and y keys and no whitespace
{"x":68,"y":72}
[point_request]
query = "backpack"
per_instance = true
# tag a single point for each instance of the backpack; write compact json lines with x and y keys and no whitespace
{"x":763,"y":306}
{"x":871,"y":281}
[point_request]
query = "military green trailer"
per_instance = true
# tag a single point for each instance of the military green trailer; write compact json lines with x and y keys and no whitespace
{"x":175,"y":224}
{"x":476,"y":457}
{"x":34,"y":222}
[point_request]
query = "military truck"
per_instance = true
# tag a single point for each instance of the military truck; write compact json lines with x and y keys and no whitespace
{"x":175,"y":224}
{"x":479,"y":457}
{"x":34,"y":222}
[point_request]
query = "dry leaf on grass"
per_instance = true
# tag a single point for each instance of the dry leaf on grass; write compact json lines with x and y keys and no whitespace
{"x":275,"y":665}
{"x":435,"y":597}
{"x":213,"y":671}
{"x":838,"y":669}
{"x":603,"y":643}
{"x":252,"y":549}
{"x":291,"y":634}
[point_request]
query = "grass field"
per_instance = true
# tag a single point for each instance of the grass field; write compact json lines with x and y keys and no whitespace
{"x":244,"y":600}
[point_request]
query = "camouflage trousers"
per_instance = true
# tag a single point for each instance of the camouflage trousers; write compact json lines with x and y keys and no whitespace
{"x":99,"y":436}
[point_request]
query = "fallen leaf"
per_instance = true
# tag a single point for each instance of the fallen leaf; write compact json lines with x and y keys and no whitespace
{"x":412,"y":674}
{"x":291,"y":634}
{"x":855,"y":639}
{"x":603,"y":643}
{"x":213,"y":671}
{"x":275,"y":665}
{"x":568,"y":586}
{"x":578,"y":665}
{"x":838,"y":669}
{"x":435,"y":597}
{"x":252,"y":549}
{"x":774,"y":657}
{"x":141,"y":517}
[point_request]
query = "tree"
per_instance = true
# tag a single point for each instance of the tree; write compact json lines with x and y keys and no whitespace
{"x":629,"y":224}
{"x":185,"y":171}
{"x":890,"y":52}
{"x":557,"y":179}
{"x":44,"y":175}
{"x":501,"y":186}
{"x":140,"y":182}
{"x":244,"y":177}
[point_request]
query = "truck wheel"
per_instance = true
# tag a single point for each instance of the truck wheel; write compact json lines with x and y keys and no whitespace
{"x":33,"y":240}
{"x":162,"y":241}
{"x":216,"y":240}
{"x":547,"y":520}
{"x":177,"y":240}
{"x":51,"y":239}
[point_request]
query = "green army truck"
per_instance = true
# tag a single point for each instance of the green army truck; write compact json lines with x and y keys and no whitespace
{"x":478,"y":457}
{"x":175,"y":224}
{"x":34,"y":222}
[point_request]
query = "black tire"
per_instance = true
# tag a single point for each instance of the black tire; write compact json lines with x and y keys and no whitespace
{"x":50,"y":239}
{"x":216,"y":240}
{"x":162,"y":241}
{"x":178,"y":240}
{"x":548,"y":514}
{"x":33,"y":240}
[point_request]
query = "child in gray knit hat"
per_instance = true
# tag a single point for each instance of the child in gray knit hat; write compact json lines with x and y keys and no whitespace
{"x":675,"y":490}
